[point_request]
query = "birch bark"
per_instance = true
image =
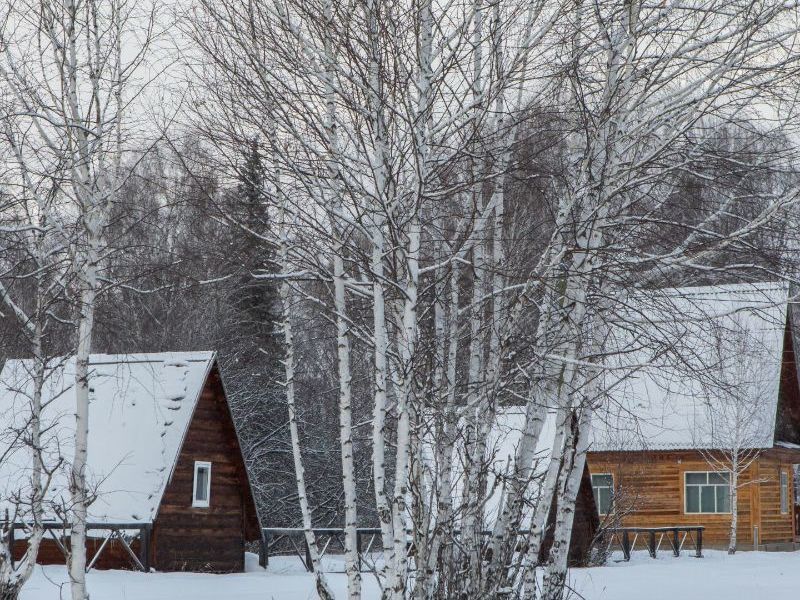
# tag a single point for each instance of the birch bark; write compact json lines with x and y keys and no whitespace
{"x":323,"y":588}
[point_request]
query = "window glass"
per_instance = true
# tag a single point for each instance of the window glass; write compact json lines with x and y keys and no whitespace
{"x":603,"y":479}
{"x":695,"y":478}
{"x":707,"y":499}
{"x":723,"y":498}
{"x":604,"y":501}
{"x":603,"y":488}
{"x":718,"y":478}
{"x":707,"y":492}
{"x":202,"y":484}
{"x":784,"y":492}
{"x":692,"y":499}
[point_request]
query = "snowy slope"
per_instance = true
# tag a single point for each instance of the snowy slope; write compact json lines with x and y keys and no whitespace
{"x":140,"y":408}
{"x":717,"y":576}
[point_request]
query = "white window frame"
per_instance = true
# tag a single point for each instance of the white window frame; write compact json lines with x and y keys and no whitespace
{"x":686,"y":510}
{"x":197,"y":502}
{"x":783,"y":481}
{"x":610,"y":488}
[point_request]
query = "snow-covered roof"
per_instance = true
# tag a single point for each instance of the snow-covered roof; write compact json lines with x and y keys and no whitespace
{"x":685,"y":363}
{"x":140,"y":409}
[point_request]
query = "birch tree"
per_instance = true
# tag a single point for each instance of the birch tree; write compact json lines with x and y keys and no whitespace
{"x":40,"y":270}
{"x":63,"y":64}
{"x":427,"y":131}
{"x":734,"y":428}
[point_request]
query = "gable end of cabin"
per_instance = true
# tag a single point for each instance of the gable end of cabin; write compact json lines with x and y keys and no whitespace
{"x":207,"y":512}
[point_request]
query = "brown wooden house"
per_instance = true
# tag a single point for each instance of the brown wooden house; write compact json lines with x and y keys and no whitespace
{"x":172,"y":490}
{"x":663,"y":444}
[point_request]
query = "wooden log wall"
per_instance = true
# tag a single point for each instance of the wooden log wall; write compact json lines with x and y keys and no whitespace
{"x":649,"y":488}
{"x":187,"y":538}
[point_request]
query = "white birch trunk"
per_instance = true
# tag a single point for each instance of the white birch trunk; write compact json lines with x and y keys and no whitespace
{"x":323,"y":588}
{"x":342,"y":326}
{"x":383,"y":201}
{"x":544,"y":504}
{"x":346,"y":426}
{"x":734,"y":494}
{"x":556,"y":570}
{"x":407,"y":343}
{"x":380,"y":339}
{"x":78,"y":481}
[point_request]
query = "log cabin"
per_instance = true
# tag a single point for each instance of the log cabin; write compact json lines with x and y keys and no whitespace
{"x":169,"y":484}
{"x":726,"y":386}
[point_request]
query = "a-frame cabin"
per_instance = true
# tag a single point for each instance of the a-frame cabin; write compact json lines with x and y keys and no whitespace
{"x":165,"y":462}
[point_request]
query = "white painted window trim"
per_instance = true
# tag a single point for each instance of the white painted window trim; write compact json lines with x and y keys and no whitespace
{"x":196,"y":502}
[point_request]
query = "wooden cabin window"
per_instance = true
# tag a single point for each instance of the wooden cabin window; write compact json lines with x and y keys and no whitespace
{"x":784,"y":492}
{"x":202,"y":484}
{"x":707,"y":492}
{"x":603,"y":488}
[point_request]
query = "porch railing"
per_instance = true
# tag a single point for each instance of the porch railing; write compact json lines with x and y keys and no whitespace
{"x":653,"y":538}
{"x":111,"y":532}
{"x":367,"y":538}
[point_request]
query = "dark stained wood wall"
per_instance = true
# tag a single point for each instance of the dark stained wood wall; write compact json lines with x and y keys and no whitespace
{"x":186,"y":538}
{"x":206,"y":539}
{"x":584,"y":526}
{"x":650,"y":488}
{"x":114,"y":556}
{"x":787,"y":423}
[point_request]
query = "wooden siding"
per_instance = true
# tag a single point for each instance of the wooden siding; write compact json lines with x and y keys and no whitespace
{"x":114,"y":556}
{"x":787,"y":422}
{"x":584,"y":526}
{"x":650,"y":493}
{"x":187,"y":538}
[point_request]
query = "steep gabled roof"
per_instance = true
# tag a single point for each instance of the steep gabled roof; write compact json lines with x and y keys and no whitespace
{"x":676,"y":357}
{"x":140,"y":408}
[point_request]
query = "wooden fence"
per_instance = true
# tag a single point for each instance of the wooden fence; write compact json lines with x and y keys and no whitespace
{"x":366,"y":540}
{"x":652,"y":539}
{"x":625,"y":538}
{"x":111,"y":532}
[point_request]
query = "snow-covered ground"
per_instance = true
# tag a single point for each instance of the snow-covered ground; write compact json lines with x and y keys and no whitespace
{"x":716,"y":576}
{"x":746,"y":576}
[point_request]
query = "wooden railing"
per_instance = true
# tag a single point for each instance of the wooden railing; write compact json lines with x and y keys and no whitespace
{"x":626,"y":538}
{"x":114,"y":531}
{"x":366,"y":538}
{"x":653,"y":538}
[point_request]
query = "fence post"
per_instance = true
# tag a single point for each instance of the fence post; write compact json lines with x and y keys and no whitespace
{"x":144,"y":551}
{"x":699,"y":543}
{"x":358,"y":548}
{"x":263,"y":552}
{"x":652,"y":543}
{"x":626,"y":545}
{"x":11,"y":544}
{"x":676,"y":547}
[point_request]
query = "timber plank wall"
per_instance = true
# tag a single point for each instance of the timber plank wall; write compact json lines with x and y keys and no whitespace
{"x":211,"y":539}
{"x":114,"y":556}
{"x":585,"y":525}
{"x":649,"y":487}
